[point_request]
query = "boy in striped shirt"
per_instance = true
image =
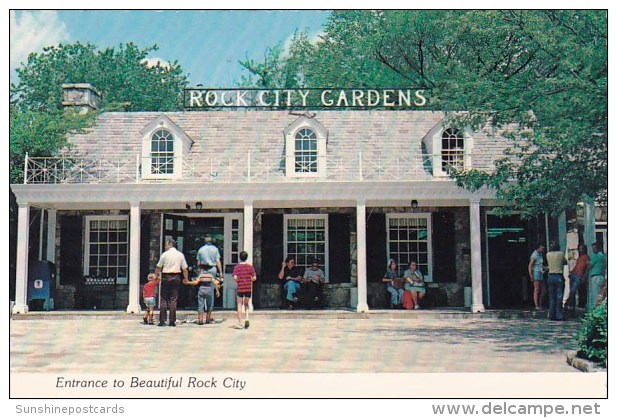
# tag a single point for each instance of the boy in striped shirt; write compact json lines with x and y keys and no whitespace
{"x":244,"y":275}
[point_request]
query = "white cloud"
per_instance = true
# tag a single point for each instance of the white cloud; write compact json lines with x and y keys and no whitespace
{"x":31,"y":31}
{"x":151,"y":62}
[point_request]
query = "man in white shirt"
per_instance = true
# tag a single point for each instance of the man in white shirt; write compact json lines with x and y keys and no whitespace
{"x":173,"y":266}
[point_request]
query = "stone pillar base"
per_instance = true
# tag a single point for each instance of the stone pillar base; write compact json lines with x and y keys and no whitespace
{"x":20,"y":308}
{"x":362,"y":308}
{"x":133,"y":309}
{"x":477,"y":308}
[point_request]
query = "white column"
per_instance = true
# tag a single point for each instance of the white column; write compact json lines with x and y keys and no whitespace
{"x":21,"y":281}
{"x":590,"y":238}
{"x":562,"y":228}
{"x":134,"y":258}
{"x":590,"y":222}
{"x":248,"y":230}
{"x":477,"y":304}
{"x":51,"y":235}
{"x":41,"y":229}
{"x":361,"y":248}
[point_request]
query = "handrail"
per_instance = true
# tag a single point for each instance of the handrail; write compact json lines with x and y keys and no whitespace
{"x":68,"y":169}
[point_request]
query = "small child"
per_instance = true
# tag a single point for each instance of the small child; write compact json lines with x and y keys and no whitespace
{"x":149,"y":298}
{"x":205,"y":295}
{"x":244,"y":275}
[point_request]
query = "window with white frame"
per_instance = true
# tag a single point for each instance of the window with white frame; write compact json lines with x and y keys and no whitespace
{"x":409,"y":238}
{"x":106,"y":247}
{"x":306,"y":151}
{"x":306,"y":239}
{"x":163,"y":149}
{"x":162,"y":152}
{"x":452,"y":150}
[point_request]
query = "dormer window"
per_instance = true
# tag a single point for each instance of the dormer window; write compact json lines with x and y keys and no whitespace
{"x":305,"y":148}
{"x":162,"y":152}
{"x":164,"y":146}
{"x":452,"y":150}
{"x":447,"y":147}
{"x":306,"y":151}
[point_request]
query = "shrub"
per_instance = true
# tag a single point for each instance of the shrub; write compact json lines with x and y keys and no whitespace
{"x":593,"y":337}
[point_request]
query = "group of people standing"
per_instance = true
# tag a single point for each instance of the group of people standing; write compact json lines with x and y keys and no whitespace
{"x":412,"y":281}
{"x":172,"y":270}
{"x":588,"y":267}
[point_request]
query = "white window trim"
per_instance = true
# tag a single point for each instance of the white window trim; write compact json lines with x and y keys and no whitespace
{"x":428,"y":275}
{"x":182,"y":145}
{"x":290,"y":149}
{"x":326,"y":260}
{"x":437,"y":151}
{"x":87,"y":239}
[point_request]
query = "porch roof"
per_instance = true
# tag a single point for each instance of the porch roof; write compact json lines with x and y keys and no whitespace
{"x":262,"y":195}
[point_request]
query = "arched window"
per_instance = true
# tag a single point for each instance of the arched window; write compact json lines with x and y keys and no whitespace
{"x":162,"y":152}
{"x":452,"y":150}
{"x":306,"y":152}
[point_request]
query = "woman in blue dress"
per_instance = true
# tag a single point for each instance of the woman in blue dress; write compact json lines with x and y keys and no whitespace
{"x":390,"y":278}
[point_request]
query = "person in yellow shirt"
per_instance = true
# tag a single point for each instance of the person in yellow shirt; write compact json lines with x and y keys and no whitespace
{"x":556,"y":260}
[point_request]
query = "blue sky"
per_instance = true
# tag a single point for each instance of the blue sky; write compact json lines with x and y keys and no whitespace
{"x":208,"y":44}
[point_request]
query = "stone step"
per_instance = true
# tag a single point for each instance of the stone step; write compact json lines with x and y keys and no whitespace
{"x":191,"y":315}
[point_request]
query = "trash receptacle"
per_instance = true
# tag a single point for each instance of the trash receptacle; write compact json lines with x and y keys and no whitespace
{"x":41,"y":286}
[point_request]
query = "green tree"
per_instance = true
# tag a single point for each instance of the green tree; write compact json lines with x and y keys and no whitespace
{"x":38,"y":122}
{"x":537,"y":77}
{"x":281,"y":68}
{"x":121,"y":75}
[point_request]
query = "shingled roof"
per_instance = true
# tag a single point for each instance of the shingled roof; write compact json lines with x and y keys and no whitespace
{"x":229,"y":135}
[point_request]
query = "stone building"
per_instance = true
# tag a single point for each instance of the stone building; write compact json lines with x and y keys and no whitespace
{"x":352,"y":188}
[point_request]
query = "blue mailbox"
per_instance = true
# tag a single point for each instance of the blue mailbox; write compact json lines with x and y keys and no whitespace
{"x":41,"y":286}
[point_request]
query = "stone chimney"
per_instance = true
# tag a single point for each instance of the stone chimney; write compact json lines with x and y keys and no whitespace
{"x":81,"y":96}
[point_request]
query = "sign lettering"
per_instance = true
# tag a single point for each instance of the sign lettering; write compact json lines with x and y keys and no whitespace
{"x":403,"y":98}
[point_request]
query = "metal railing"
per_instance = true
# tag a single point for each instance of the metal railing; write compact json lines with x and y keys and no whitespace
{"x":77,"y":169}
{"x":137,"y":168}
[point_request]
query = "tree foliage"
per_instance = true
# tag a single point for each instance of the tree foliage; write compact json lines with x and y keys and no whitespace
{"x":121,"y":75}
{"x":39,"y":124}
{"x":538,"y":77}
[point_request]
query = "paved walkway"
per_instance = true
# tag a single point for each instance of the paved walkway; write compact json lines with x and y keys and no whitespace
{"x":278,"y":341}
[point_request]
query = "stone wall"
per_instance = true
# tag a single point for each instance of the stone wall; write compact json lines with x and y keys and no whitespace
{"x":268,"y":295}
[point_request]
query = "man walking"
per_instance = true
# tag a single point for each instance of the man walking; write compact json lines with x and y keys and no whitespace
{"x":173,"y":267}
{"x":209,"y":262}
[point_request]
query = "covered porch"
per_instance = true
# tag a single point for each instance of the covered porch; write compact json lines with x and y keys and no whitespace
{"x":247,"y":201}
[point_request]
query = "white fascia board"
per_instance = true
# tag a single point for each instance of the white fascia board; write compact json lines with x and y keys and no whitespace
{"x":343,"y":193}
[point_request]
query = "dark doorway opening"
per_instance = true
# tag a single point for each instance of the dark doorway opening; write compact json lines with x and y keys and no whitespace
{"x":508,"y":247}
{"x":189,"y":233}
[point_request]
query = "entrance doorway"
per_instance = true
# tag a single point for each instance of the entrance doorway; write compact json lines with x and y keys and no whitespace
{"x":189,"y":232}
{"x":508,"y":247}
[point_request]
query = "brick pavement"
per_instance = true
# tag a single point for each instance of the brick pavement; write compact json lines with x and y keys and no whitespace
{"x":332,"y":342}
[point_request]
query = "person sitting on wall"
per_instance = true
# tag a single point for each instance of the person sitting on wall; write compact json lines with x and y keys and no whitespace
{"x":392,"y":280}
{"x":313,"y":281}
{"x":291,"y":277}
{"x":414,"y":282}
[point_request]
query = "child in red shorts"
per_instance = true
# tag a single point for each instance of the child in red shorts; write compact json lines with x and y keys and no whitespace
{"x":244,"y":275}
{"x":149,"y":293}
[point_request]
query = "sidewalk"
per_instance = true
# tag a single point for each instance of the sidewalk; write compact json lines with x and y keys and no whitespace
{"x":333,"y":341}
